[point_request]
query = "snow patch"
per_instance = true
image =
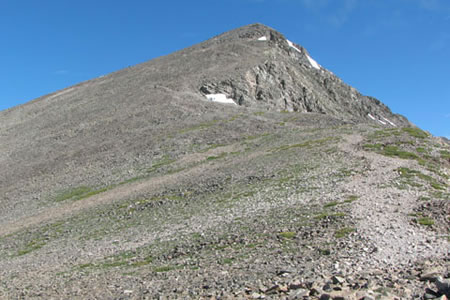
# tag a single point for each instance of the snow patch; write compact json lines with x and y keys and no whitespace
{"x":313,"y":63}
{"x":389,"y":122}
{"x":263,"y":38}
{"x":220,"y":98}
{"x":384,"y":123}
{"x":292,"y":46}
{"x":372,"y":117}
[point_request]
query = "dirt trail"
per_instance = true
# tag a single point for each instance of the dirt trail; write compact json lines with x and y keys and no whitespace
{"x":383,"y":212}
{"x":123,"y":191}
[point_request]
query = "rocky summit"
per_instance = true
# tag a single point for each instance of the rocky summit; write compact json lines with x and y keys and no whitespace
{"x":238,"y":168}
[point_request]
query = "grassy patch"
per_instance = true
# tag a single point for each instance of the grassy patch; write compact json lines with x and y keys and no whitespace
{"x":199,"y":126}
{"x":426,"y":221}
{"x":288,"y":235}
{"x":259,"y":113}
{"x":351,"y":198}
{"x":444,"y":154}
{"x":161,"y":163}
{"x":391,"y":150}
{"x":415,"y":132}
{"x":221,"y":155}
{"x":325,"y":251}
{"x":78,"y":193}
{"x":385,"y":133}
{"x":324,"y":215}
{"x":421,"y":150}
{"x":340,"y":233}
{"x":227,"y":261}
{"x":331,"y":204}
{"x":373,"y":146}
{"x":166,"y":268}
{"x":311,"y":143}
{"x":31,"y":246}
{"x":408,"y":175}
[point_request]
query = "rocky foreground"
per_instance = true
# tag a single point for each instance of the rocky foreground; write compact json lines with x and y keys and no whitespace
{"x":341,"y":212}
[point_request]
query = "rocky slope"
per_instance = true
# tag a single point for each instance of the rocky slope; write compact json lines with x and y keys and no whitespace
{"x":135,"y":186}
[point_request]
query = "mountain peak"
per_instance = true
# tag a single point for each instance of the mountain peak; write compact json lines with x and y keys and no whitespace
{"x":251,"y":32}
{"x":258,"y":66}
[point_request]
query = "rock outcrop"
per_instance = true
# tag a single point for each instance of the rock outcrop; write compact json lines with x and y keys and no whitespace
{"x":286,"y":78}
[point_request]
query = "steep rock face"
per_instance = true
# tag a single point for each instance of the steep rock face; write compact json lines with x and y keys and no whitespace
{"x":287,"y":78}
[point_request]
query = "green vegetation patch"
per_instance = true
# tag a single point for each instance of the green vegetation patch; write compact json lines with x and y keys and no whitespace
{"x":221,"y":155}
{"x":331,"y":204}
{"x":78,"y":193}
{"x":391,"y":150}
{"x":288,"y":234}
{"x":311,"y":143}
{"x":426,"y":221}
{"x":415,"y":132}
{"x":324,"y":215}
{"x":167,"y":268}
{"x":199,"y":126}
{"x":31,"y":246}
{"x":408,"y":175}
{"x":351,"y":198}
{"x":161,"y":163}
{"x":445,"y":154}
{"x":340,"y":233}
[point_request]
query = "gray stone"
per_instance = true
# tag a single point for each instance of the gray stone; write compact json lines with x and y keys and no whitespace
{"x":325,"y":297}
{"x":338,"y":280}
{"x":431,"y":275}
{"x":298,"y":294}
{"x":443,"y":286}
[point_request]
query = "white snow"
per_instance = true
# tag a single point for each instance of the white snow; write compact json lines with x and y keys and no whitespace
{"x":220,"y":98}
{"x":313,"y":63}
{"x":372,"y":117}
{"x":263,"y":38}
{"x":292,"y":46}
{"x":389,"y":122}
{"x":384,"y":123}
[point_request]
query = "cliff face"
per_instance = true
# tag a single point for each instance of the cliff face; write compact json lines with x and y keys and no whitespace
{"x":285,"y":77}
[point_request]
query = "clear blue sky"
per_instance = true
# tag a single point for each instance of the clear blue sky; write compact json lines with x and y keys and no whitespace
{"x":395,"y":50}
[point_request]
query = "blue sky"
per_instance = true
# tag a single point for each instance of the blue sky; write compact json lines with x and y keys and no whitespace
{"x":395,"y":50}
